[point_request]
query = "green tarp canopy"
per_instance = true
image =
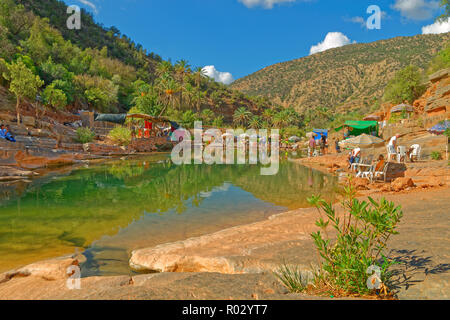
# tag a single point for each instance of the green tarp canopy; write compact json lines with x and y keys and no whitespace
{"x":120,"y":118}
{"x":359,"y":127}
{"x":113,"y":118}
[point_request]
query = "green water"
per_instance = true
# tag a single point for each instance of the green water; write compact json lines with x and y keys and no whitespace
{"x":110,"y":209}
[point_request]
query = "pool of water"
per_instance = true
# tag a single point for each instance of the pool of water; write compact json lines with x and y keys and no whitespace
{"x":110,"y":209}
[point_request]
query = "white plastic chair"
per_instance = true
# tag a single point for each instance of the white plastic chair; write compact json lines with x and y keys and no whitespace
{"x":390,"y":153}
{"x":372,"y":174}
{"x":415,"y":154}
{"x":401,"y":153}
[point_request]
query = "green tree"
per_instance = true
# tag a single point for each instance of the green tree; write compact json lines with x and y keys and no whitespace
{"x":440,"y":61}
{"x":218,"y":122}
{"x":188,"y":119}
{"x":54,"y":97}
{"x":255,"y":122}
{"x":182,"y":68}
{"x":405,"y":87}
{"x":207,"y":116}
{"x":145,"y":100}
{"x":280,"y":120}
{"x":23,"y":83}
{"x":241,"y":116}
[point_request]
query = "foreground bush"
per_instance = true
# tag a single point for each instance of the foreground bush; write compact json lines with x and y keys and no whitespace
{"x":353,"y":263}
{"x":120,"y":136}
{"x":85,"y":135}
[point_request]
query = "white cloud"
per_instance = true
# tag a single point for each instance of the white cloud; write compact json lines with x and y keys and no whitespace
{"x":437,"y":27}
{"x":212,"y":72}
{"x":358,"y":20}
{"x":89,"y":4}
{"x":362,"y":21}
{"x":416,"y":9}
{"x":268,"y":4}
{"x":332,"y":40}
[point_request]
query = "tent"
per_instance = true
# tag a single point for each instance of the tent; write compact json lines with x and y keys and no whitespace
{"x":319,"y":133}
{"x":121,"y":117}
{"x":357,"y":128}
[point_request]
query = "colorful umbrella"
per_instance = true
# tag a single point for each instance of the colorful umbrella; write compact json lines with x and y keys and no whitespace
{"x":362,"y":141}
{"x":440,"y":127}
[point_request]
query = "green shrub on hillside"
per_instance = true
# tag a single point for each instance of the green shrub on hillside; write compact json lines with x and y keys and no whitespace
{"x":85,"y":135}
{"x":120,"y":135}
{"x":436,"y":155}
{"x":405,"y":87}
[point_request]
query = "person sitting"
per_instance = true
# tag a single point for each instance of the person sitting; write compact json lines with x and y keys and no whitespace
{"x":9,"y":136}
{"x":6,"y":134}
{"x":380,"y":164}
{"x":355,"y":156}
{"x":2,"y":132}
{"x":336,"y":145}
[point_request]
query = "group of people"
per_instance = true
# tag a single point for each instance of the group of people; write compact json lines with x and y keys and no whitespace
{"x":6,"y":134}
{"x":323,"y":143}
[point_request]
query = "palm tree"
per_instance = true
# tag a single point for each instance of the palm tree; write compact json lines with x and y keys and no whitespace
{"x":199,"y":73}
{"x":255,"y":122}
{"x":169,"y":87}
{"x":268,"y":115}
{"x":279,"y":120}
{"x":241,"y":116}
{"x":182,"y":68}
{"x":164,"y":67}
{"x":198,"y":98}
{"x":207,"y":116}
{"x":189,"y":93}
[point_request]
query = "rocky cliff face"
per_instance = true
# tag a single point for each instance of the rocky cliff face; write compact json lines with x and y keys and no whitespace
{"x":436,"y":99}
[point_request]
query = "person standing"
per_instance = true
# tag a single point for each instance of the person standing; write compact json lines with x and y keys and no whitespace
{"x":312,"y":146}
{"x":323,"y":144}
{"x":392,"y":145}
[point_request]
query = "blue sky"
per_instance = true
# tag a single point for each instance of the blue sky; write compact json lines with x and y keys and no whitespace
{"x":243,"y":36}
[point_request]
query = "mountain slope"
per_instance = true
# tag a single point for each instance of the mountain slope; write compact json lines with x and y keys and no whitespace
{"x":345,"y":78}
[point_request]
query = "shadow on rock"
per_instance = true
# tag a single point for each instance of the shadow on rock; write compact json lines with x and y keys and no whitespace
{"x":411,"y":268}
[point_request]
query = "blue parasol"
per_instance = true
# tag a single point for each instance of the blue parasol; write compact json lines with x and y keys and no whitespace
{"x":440,"y":127}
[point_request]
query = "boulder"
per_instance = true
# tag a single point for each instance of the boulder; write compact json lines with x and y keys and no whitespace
{"x":28,"y":121}
{"x":360,"y":183}
{"x":55,"y":269}
{"x":400,"y":184}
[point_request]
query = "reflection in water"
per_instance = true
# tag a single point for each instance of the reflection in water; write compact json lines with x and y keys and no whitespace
{"x":113,"y":208}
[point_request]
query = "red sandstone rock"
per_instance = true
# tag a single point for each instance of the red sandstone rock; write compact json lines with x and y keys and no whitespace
{"x":400,"y":184}
{"x":361,"y":183}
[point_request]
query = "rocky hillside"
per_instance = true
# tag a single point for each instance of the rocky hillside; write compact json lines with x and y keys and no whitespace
{"x":346,"y":78}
